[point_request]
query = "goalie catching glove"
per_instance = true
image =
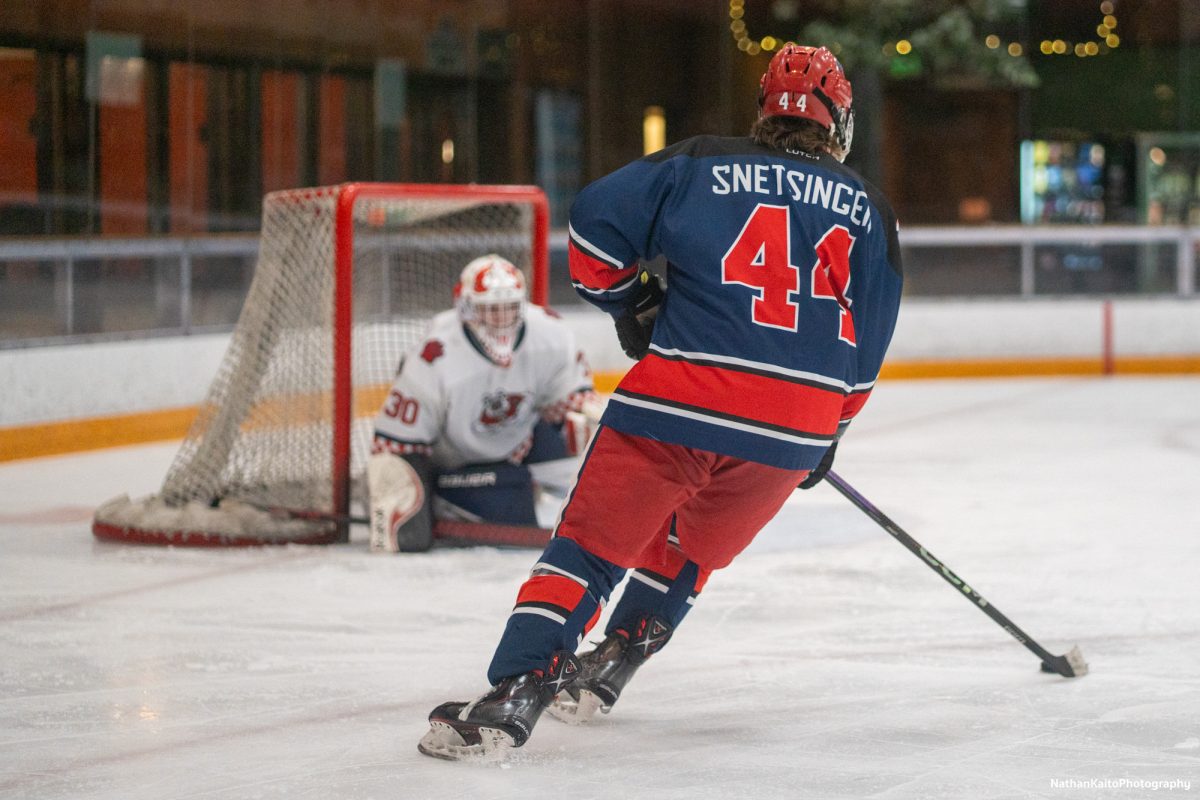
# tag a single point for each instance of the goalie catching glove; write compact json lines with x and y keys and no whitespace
{"x":635,"y":325}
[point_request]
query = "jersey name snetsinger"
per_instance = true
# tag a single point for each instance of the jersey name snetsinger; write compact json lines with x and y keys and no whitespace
{"x":795,"y":185}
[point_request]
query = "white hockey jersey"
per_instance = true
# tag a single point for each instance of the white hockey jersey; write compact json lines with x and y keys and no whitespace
{"x":451,"y":401}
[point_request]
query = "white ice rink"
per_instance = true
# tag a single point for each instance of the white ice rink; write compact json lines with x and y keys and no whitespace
{"x":826,"y":662}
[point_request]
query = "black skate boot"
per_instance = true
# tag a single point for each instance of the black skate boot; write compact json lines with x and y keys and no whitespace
{"x":607,"y":669}
{"x":501,"y":719}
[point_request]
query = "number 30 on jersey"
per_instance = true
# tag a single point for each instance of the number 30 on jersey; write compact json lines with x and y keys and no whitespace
{"x":760,"y":258}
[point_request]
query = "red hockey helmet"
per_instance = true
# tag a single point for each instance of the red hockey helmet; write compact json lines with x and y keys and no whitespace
{"x":809,"y":82}
{"x":490,"y":297}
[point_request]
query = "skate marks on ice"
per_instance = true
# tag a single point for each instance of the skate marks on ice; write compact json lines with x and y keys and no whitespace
{"x":824,"y":664}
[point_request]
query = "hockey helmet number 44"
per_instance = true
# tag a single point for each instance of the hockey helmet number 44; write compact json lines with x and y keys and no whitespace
{"x":490,"y":297}
{"x":809,"y":82}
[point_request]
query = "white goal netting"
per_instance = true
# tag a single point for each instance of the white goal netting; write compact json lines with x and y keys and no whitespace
{"x":264,"y":438}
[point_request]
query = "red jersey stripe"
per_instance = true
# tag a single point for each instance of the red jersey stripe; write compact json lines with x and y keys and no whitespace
{"x":755,"y":398}
{"x":553,"y":589}
{"x":594,"y":273}
{"x":853,"y":404}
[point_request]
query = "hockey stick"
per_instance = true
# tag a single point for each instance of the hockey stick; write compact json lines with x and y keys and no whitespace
{"x":1070,"y":665}
{"x":451,"y":531}
{"x":462,"y":532}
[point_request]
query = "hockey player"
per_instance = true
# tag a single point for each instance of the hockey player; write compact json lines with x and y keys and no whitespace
{"x":783,"y":286}
{"x":497,"y":384}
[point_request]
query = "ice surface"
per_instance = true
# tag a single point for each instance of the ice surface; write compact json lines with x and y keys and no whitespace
{"x":826,"y":662}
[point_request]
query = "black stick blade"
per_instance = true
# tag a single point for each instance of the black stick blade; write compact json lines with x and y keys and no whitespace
{"x":1070,"y":665}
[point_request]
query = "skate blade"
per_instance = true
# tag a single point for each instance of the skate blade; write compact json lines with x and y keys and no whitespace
{"x":443,"y":741}
{"x":576,"y":713}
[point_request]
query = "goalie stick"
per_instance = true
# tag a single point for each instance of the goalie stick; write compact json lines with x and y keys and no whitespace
{"x":1070,"y":665}
{"x":451,"y":531}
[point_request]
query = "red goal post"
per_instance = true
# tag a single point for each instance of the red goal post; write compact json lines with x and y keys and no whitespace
{"x":347,"y":279}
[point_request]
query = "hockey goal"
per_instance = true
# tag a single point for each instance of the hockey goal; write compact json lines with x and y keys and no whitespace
{"x":347,"y":278}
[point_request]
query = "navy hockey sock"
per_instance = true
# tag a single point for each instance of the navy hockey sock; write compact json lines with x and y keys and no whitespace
{"x":659,"y":593}
{"x":559,"y":603}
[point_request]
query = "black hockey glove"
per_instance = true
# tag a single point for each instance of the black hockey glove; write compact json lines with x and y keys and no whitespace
{"x":818,"y":474}
{"x":636,"y":323}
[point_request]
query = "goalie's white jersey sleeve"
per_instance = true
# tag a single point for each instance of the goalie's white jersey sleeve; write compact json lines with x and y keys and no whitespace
{"x":451,"y":401}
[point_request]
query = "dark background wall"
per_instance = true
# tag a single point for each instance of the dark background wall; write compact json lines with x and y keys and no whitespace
{"x":235,"y":99}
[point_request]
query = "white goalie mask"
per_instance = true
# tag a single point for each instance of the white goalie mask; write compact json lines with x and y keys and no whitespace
{"x":490,"y":297}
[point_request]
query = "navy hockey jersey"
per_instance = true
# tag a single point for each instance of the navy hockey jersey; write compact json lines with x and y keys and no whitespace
{"x":783,"y":286}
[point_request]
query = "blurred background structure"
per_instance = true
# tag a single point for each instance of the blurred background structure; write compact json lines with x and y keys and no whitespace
{"x":1032,"y":148}
{"x":1043,"y":157}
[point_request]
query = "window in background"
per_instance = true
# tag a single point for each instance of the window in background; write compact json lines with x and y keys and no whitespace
{"x":331,"y":131}
{"x":1169,"y":189}
{"x":283,"y":129}
{"x":187,"y":157}
{"x":559,"y":150}
{"x":390,"y":100}
{"x":18,"y":143}
{"x":1062,"y":181}
{"x":116,"y":87}
{"x":234,"y":138}
{"x":441,"y":109}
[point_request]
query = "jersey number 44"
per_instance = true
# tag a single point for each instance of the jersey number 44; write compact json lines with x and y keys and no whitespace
{"x":760,"y":258}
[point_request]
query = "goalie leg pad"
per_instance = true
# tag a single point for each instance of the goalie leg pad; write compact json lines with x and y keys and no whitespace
{"x":397,"y":495}
{"x":499,"y":492}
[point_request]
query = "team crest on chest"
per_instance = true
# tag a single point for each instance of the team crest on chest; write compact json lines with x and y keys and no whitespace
{"x":499,"y":409}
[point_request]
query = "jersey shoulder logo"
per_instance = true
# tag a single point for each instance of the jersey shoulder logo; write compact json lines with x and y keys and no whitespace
{"x":433,"y":350}
{"x":499,"y":409}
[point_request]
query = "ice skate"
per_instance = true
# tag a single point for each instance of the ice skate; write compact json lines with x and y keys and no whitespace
{"x":605,"y":670}
{"x":500,"y":720}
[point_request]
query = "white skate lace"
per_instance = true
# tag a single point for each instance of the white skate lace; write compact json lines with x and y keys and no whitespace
{"x":469,"y":707}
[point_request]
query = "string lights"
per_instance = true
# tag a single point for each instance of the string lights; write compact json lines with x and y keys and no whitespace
{"x":1107,"y":40}
{"x":1106,"y":33}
